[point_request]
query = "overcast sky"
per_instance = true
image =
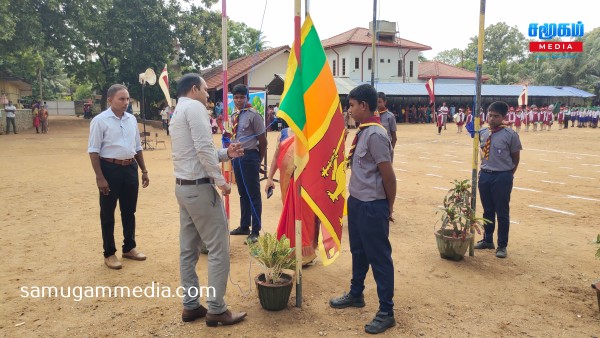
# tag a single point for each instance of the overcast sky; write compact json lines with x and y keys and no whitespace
{"x":437,"y":23}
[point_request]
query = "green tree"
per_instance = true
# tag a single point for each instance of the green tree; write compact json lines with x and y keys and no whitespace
{"x":502,"y":43}
{"x":244,"y":40}
{"x":83,"y":92}
{"x":452,"y":56}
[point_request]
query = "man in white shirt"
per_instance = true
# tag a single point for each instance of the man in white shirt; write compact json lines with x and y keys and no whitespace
{"x":116,"y":152}
{"x":10,"y":117}
{"x":164,"y":114}
{"x":202,"y":215}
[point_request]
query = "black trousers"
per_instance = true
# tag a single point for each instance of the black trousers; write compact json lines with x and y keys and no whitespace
{"x":124,"y":185}
{"x":494,"y":192}
{"x":247,"y":178}
{"x":368,"y":232}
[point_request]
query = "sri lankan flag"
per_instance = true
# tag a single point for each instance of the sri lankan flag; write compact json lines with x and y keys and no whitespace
{"x":311,"y":107}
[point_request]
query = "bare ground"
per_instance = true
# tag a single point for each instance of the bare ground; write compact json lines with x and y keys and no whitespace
{"x":51,"y":237}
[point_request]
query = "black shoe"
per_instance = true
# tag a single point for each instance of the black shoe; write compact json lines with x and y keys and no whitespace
{"x":253,"y":237}
{"x":482,"y":244}
{"x":501,"y":252}
{"x":240,"y":231}
{"x":380,"y":323}
{"x":346,"y":301}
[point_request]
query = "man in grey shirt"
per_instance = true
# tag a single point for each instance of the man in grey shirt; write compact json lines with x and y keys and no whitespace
{"x":500,"y":155}
{"x":202,"y":216}
{"x":388,"y":120}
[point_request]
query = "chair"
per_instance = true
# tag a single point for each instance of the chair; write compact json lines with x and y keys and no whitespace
{"x":144,"y":138}
{"x":157,"y":141}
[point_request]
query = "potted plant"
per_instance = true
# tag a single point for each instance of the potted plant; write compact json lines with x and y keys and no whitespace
{"x":273,"y":285}
{"x":458,"y":219}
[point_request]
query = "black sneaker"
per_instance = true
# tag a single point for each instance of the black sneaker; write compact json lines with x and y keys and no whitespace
{"x":240,"y":231}
{"x":501,"y":252}
{"x":346,"y":301}
{"x":380,"y":323}
{"x":482,"y":244}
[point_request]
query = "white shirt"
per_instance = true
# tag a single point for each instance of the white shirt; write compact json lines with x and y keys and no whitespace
{"x":10,"y":110}
{"x":194,"y":152}
{"x":443,"y":110}
{"x":113,"y":137}
{"x":164,"y":114}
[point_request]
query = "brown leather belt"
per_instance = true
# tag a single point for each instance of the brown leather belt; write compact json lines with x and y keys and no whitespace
{"x":119,"y":162}
{"x":199,"y":181}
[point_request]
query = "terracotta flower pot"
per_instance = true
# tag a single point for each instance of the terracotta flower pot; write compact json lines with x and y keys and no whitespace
{"x":450,"y":247}
{"x":274,"y":297}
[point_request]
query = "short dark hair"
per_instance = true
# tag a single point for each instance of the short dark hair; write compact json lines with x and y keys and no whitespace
{"x":365,"y":93}
{"x":499,"y":107}
{"x":114,"y":89}
{"x":240,"y":89}
{"x":381,"y":95}
{"x":185,"y":84}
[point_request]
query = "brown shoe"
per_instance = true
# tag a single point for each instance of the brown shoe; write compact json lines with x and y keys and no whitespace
{"x":135,"y":255}
{"x":113,"y":262}
{"x":191,"y":315}
{"x":225,"y":318}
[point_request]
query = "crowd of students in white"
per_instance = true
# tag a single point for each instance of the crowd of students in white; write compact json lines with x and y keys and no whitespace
{"x":541,"y":118}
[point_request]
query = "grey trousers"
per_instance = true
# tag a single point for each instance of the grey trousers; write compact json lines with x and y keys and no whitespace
{"x":202,"y":219}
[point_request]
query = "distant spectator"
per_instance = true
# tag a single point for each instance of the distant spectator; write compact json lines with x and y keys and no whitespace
{"x":10,"y":117}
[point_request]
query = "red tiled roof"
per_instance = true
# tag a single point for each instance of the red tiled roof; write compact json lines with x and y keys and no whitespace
{"x":362,"y":36}
{"x":239,"y":67}
{"x":442,"y":70}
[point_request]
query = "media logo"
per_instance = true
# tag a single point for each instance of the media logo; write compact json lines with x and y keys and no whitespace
{"x":548,"y":31}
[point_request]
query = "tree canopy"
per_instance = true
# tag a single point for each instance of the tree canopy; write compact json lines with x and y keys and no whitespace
{"x":506,"y":60}
{"x":102,"y":42}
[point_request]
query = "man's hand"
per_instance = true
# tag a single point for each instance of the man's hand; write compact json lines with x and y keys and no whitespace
{"x":103,"y":185}
{"x":145,"y":180}
{"x":225,"y":189}
{"x":235,"y":150}
{"x":391,"y":213}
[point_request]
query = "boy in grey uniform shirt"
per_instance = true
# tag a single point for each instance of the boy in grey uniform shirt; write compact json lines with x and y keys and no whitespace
{"x":370,"y":206}
{"x":500,"y":155}
{"x":248,"y":129}
{"x":388,"y":120}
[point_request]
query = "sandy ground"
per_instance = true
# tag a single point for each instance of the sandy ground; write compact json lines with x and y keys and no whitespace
{"x":51,"y":237}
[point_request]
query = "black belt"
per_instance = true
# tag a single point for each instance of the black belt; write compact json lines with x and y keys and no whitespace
{"x":247,"y":151}
{"x":487,"y":171}
{"x":199,"y":181}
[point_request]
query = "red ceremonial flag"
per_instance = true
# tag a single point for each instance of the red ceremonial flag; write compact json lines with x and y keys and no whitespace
{"x":163,"y":82}
{"x":430,"y":90}
{"x":523,"y":97}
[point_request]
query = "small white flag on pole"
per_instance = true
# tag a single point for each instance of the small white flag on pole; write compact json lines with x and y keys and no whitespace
{"x":163,"y":81}
{"x":523,"y":97}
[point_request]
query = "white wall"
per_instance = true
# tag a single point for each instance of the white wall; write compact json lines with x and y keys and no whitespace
{"x":386,"y":71}
{"x":62,"y":108}
{"x":263,"y":74}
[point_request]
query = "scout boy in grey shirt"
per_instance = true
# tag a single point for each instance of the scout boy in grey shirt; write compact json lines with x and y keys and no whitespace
{"x":388,"y":120}
{"x":500,"y":155}
{"x":370,"y":206}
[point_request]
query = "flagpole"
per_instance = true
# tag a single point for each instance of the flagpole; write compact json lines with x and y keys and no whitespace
{"x":480,"y":40}
{"x":373,"y":63}
{"x":298,"y":216}
{"x":226,"y":167}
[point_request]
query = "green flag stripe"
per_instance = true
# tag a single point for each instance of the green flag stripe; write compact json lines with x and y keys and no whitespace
{"x":293,"y":103}
{"x":312,"y":58}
